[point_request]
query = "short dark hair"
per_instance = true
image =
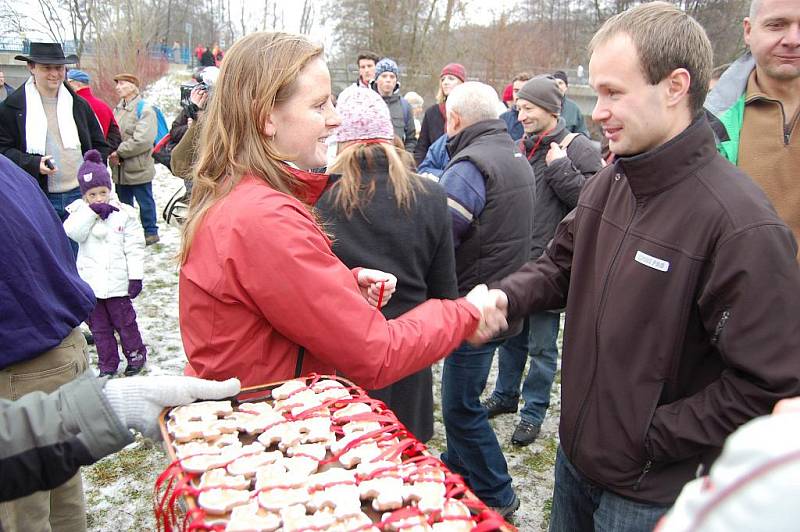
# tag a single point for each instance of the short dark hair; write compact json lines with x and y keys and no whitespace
{"x":368,"y":55}
{"x":521,"y":76}
{"x":560,"y":74}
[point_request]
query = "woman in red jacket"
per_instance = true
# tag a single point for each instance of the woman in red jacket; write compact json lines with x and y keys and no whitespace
{"x":262,"y":296}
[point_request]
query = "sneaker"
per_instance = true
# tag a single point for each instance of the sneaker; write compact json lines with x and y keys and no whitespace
{"x":495,"y":407}
{"x":130,"y":371}
{"x":525,"y":433}
{"x":149,"y":240}
{"x":508,"y":510}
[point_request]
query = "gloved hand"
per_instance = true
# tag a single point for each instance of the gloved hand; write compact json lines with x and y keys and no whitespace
{"x":138,"y":401}
{"x":134,"y":287}
{"x":102,"y":209}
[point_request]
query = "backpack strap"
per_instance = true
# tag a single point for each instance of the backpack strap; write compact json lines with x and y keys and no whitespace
{"x":566,"y":140}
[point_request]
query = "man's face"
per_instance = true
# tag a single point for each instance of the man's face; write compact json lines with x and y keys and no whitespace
{"x":2,"y":77}
{"x":774,"y":39}
{"x":562,"y":86}
{"x":48,"y":77}
{"x":366,"y":69}
{"x":633,"y":113}
{"x":515,"y":87}
{"x":533,"y":118}
{"x":76,"y":85}
{"x":386,"y":83}
{"x":125,"y":89}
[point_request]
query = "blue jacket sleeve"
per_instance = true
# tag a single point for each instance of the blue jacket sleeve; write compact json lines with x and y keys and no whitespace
{"x":466,"y":196}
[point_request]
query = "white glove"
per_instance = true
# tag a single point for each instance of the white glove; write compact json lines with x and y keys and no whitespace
{"x":138,"y":401}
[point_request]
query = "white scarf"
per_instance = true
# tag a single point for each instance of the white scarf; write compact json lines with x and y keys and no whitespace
{"x":36,"y":120}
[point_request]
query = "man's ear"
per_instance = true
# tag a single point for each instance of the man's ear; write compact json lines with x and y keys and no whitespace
{"x":747,"y":26}
{"x":677,"y":85}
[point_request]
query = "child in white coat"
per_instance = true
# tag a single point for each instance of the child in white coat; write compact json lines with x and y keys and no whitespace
{"x":111,"y":260}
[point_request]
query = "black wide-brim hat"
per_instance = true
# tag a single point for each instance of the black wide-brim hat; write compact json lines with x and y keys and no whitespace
{"x":47,"y":53}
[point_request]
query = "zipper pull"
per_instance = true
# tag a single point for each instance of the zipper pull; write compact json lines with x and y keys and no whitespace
{"x":645,"y":471}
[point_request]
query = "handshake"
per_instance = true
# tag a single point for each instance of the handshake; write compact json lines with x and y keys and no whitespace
{"x":493,"y":306}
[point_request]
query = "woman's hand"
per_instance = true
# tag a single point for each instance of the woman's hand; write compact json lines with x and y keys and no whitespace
{"x":369,"y":282}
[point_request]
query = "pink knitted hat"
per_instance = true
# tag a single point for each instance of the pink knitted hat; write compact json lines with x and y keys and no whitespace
{"x":364,"y":116}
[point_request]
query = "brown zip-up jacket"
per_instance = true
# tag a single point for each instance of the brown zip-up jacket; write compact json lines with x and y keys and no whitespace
{"x":683,"y":295}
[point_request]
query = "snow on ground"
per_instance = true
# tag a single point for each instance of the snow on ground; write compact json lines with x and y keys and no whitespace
{"x":119,"y":488}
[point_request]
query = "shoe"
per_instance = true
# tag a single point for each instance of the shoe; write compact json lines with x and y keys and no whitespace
{"x":107,"y":373}
{"x":149,"y":240}
{"x":495,"y":407}
{"x":508,"y":510}
{"x":130,"y":371}
{"x":525,"y":433}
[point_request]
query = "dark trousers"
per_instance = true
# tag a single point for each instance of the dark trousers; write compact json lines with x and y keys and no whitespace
{"x":147,"y":204}
{"x":116,"y":314}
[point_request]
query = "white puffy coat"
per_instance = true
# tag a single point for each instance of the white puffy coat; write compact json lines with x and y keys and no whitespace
{"x":110,"y":251}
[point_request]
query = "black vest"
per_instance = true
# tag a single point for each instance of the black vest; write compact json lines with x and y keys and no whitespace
{"x":498,"y":241}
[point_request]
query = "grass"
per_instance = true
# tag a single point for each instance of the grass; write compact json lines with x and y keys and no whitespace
{"x":544,"y":460}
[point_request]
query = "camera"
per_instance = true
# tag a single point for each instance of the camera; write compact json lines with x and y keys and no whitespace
{"x":203,"y":80}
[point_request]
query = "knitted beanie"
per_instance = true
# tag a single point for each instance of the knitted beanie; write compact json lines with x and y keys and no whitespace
{"x":78,"y":75}
{"x":542,"y":91}
{"x":386,"y":65}
{"x":93,"y":172}
{"x":508,"y":93}
{"x":455,"y":69}
{"x":364,"y":116}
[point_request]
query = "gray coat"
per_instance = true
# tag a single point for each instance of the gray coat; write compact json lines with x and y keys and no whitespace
{"x":44,"y":439}
{"x":135,"y":152}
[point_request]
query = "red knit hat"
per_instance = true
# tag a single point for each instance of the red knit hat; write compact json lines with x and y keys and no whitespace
{"x":508,"y":93}
{"x":456,"y":70}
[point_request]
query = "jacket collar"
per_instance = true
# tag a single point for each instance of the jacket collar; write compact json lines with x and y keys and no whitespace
{"x":465,"y":137}
{"x":731,"y":85}
{"x":658,"y":169}
{"x":311,"y":185}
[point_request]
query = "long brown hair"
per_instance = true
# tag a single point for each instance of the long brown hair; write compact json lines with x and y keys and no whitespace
{"x":259,"y":72}
{"x":354,"y":189}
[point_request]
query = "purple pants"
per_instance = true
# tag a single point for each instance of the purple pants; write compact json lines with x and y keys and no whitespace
{"x":116,"y":314}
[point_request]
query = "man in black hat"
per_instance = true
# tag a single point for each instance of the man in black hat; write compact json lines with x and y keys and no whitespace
{"x":45,"y":129}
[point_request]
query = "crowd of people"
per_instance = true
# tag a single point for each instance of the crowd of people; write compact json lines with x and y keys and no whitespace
{"x":374,"y":237}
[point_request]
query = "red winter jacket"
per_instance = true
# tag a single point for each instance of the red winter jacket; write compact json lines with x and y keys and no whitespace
{"x":261,"y":281}
{"x":101,"y":109}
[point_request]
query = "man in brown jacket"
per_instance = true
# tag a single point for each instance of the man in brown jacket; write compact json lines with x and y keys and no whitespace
{"x":679,"y":280}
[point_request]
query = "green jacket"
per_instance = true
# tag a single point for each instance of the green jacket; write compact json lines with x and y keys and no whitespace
{"x":725,"y":106}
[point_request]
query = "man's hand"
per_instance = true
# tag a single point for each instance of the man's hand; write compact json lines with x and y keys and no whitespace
{"x":138,"y":401}
{"x":113,"y":159}
{"x":493,"y":306}
{"x":44,"y":169}
{"x":555,"y":152}
{"x":369,"y":282}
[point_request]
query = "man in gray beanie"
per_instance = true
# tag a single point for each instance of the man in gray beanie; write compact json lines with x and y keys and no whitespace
{"x":561,"y":161}
{"x":387,"y":84}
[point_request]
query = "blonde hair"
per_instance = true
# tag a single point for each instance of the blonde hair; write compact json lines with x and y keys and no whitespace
{"x":666,"y":38}
{"x":353,"y":189}
{"x":259,"y":73}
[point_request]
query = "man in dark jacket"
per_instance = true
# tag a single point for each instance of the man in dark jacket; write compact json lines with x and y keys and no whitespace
{"x":561,"y":161}
{"x":490,"y":189}
{"x":570,"y":111}
{"x":44,"y":142}
{"x":5,"y":88}
{"x":680,"y":285}
{"x":387,"y":84}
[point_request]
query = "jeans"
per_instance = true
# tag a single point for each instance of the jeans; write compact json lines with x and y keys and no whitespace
{"x":60,"y":201}
{"x":472,"y":448}
{"x":580,"y":504}
{"x":147,"y":204}
{"x":537,"y":340}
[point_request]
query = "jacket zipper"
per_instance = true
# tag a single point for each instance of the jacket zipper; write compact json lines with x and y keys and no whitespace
{"x":645,"y":471}
{"x":582,"y":410}
{"x":787,"y":128}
